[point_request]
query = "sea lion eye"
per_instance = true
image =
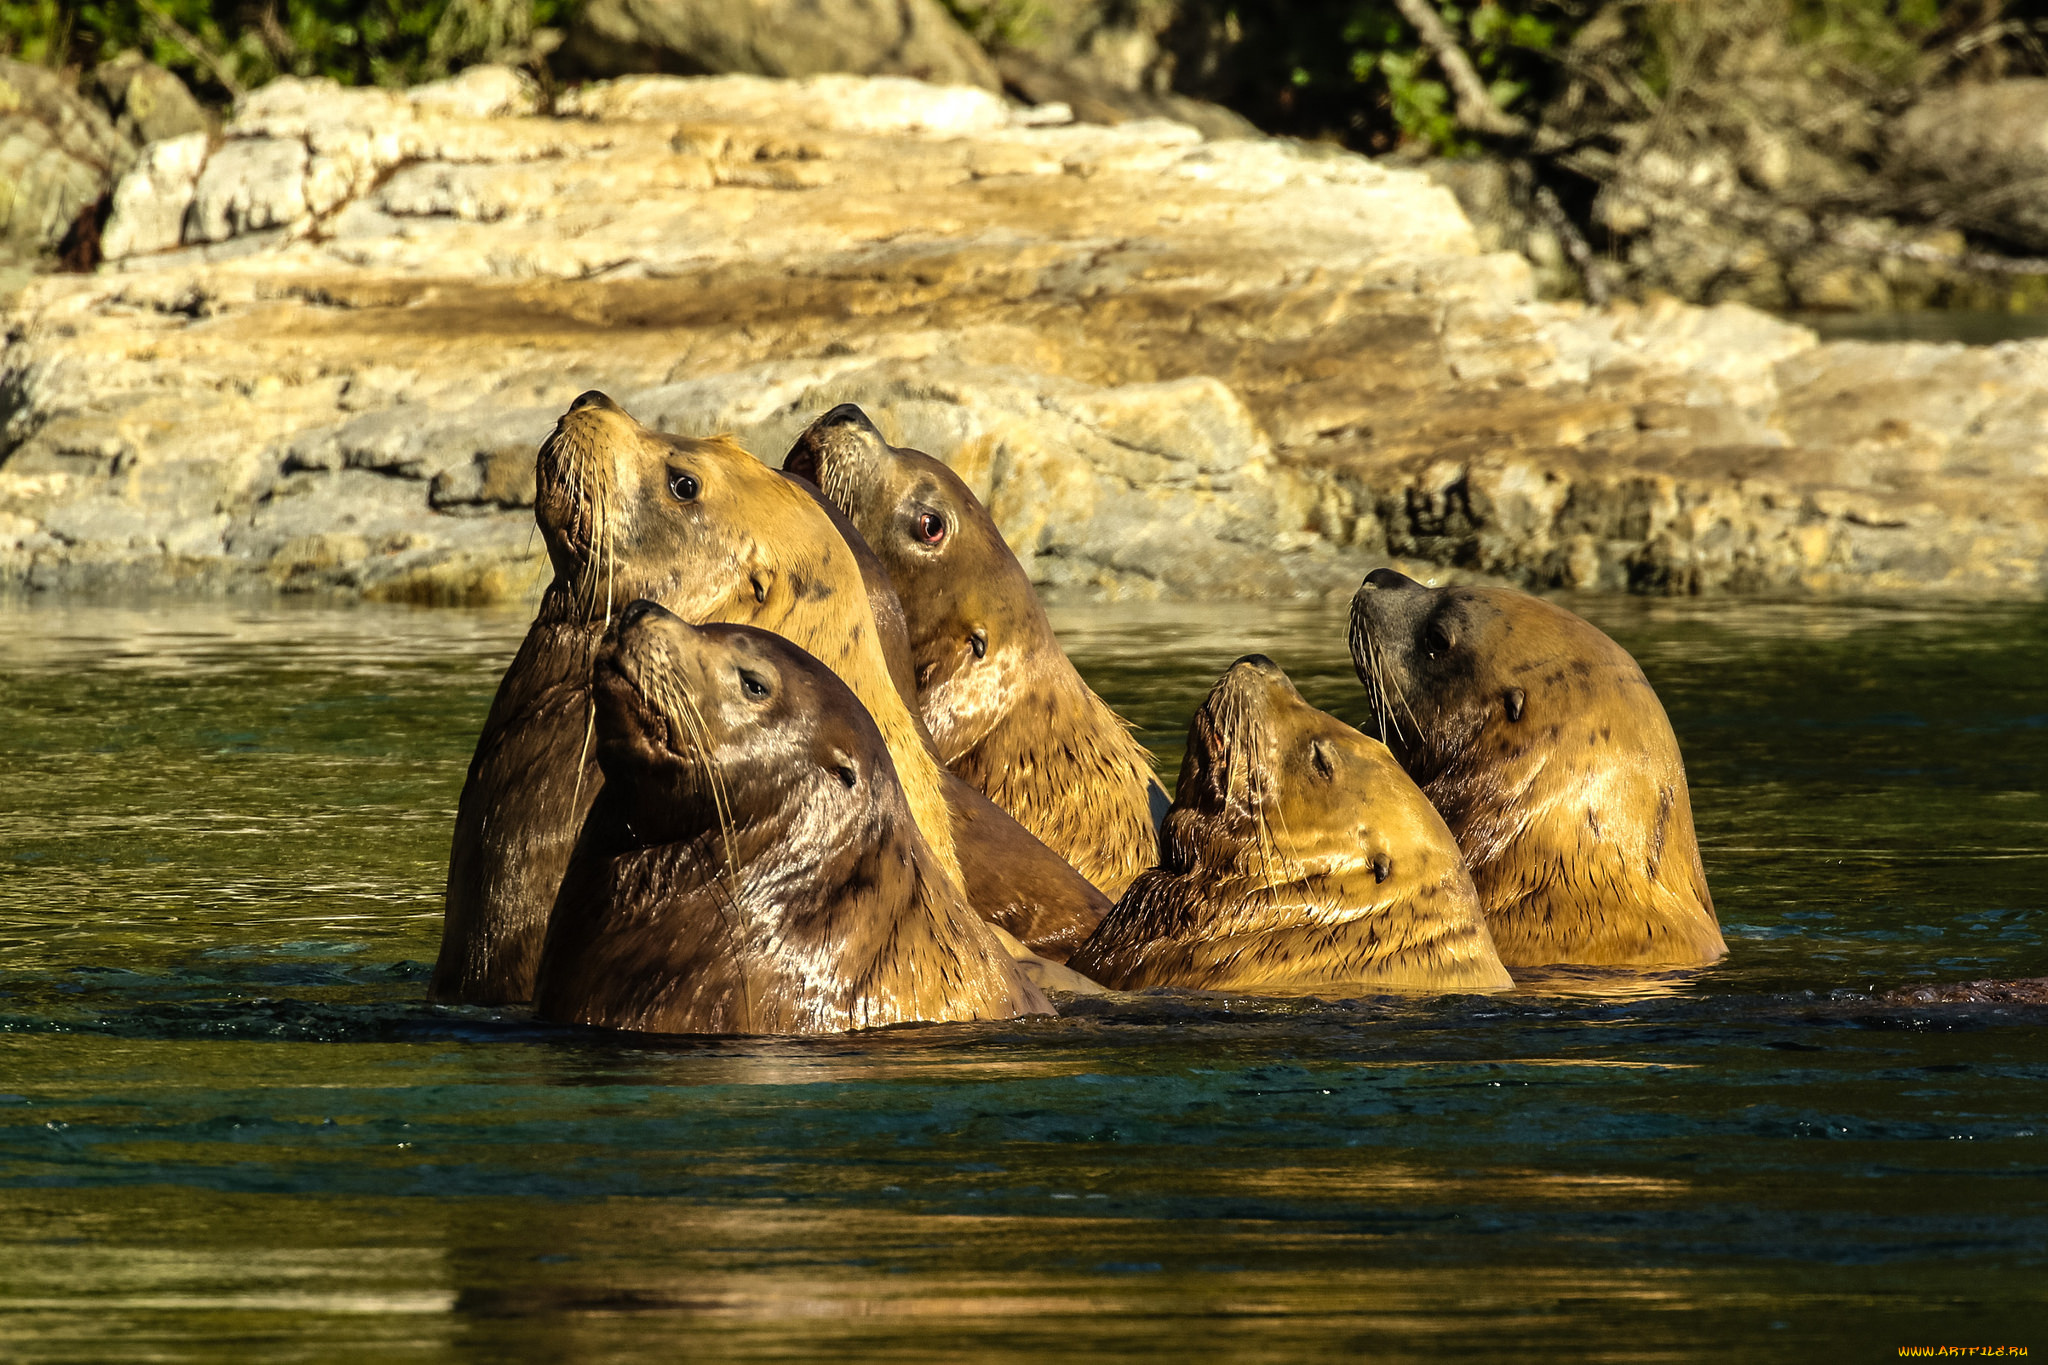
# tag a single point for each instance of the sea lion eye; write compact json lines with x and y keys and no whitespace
{"x":1382,"y":867}
{"x":752,"y":685}
{"x":847,"y":775}
{"x":684,"y":487}
{"x":1321,"y":759}
{"x":1437,"y":639}
{"x":1516,"y":699}
{"x":930,"y":528}
{"x":978,"y":642}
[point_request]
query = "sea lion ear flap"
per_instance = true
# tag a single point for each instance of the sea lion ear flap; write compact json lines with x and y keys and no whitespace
{"x":1516,"y":697}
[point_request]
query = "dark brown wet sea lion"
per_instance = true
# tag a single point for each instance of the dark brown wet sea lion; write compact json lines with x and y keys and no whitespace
{"x":752,"y":865}
{"x":1298,"y":857}
{"x":705,"y":529}
{"x":1551,"y":759}
{"x":1000,"y":697}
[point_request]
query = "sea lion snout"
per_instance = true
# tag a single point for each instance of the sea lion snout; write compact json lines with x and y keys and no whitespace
{"x":1387,"y":579}
{"x":830,"y":450}
{"x":639,"y":609}
{"x":845,"y":415}
{"x":1252,"y":682}
{"x":593,"y":398}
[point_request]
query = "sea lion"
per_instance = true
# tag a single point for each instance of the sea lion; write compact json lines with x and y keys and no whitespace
{"x":533,"y":776}
{"x":736,"y":541}
{"x":1549,"y":756}
{"x":1297,"y":857}
{"x":752,"y":865}
{"x":1000,"y":697}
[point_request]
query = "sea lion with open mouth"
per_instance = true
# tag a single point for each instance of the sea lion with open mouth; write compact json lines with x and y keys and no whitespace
{"x":1298,"y":857}
{"x":999,"y":695}
{"x":1548,"y":754}
{"x":752,"y":864}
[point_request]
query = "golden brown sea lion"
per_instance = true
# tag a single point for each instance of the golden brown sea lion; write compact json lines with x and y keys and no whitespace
{"x":752,"y":865}
{"x":1000,"y":697}
{"x":1551,"y":759}
{"x":1298,"y":857}
{"x":740,"y":542}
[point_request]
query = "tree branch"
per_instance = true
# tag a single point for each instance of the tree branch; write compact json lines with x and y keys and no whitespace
{"x":1476,"y":109}
{"x":177,"y":33}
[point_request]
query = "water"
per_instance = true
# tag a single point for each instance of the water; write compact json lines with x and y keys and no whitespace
{"x":1970,"y":326}
{"x":230,"y":1125}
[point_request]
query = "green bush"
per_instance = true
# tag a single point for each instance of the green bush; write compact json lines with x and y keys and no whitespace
{"x":1356,"y":70}
{"x":217,"y":45}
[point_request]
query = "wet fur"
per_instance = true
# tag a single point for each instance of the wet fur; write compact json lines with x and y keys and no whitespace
{"x":1018,"y":724}
{"x":1575,"y":817}
{"x":729,"y":881}
{"x":530,"y":784}
{"x":1267,"y":881}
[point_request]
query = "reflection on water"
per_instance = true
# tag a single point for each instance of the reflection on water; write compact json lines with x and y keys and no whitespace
{"x":230,"y":1124}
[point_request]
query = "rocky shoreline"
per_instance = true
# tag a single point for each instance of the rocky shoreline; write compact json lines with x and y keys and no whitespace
{"x":323,"y":346}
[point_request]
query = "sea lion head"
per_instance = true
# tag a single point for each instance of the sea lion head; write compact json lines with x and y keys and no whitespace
{"x":733,"y":729}
{"x":1298,"y":855}
{"x":975,"y":623}
{"x":1457,"y":676}
{"x":1273,"y":791}
{"x":1549,"y":756}
{"x":628,"y":512}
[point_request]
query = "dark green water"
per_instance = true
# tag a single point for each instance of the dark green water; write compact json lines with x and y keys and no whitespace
{"x":230,"y":1126}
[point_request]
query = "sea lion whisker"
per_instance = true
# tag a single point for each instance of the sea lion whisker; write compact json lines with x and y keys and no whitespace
{"x":583,"y":754}
{"x":1382,"y":706}
{"x":721,"y":800}
{"x":677,"y":701}
{"x":1403,"y":696}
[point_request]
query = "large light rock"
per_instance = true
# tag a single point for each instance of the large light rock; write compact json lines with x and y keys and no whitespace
{"x":1171,"y":366}
{"x":59,"y":153}
{"x":147,"y":103}
{"x":915,"y":38}
{"x":1110,"y":61}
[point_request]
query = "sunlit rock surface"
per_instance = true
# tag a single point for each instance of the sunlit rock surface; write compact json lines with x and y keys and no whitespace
{"x":1171,"y":366}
